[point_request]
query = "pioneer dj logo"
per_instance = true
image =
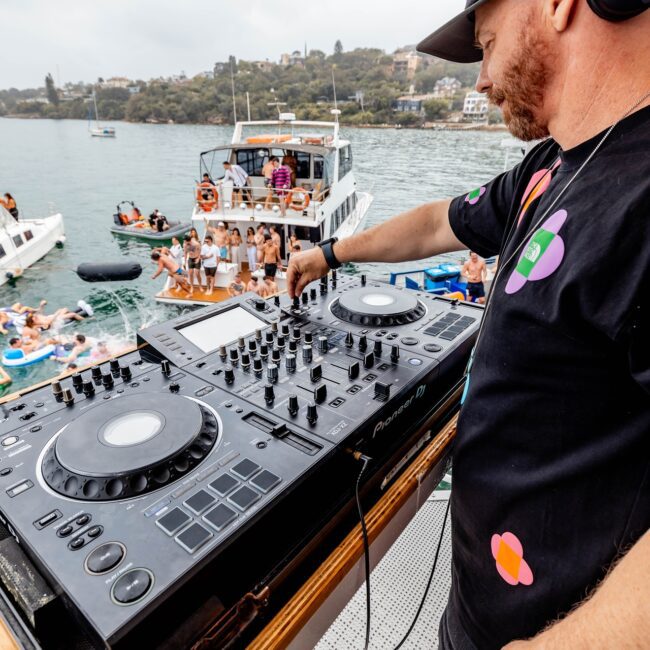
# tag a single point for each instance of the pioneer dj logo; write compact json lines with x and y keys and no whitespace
{"x":382,"y":424}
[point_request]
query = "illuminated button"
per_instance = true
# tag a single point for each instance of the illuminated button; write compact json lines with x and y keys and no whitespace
{"x":9,"y":440}
{"x":19,"y":488}
{"x":132,"y":586}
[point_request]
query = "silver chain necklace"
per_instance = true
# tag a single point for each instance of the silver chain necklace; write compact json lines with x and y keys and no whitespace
{"x":518,"y":248}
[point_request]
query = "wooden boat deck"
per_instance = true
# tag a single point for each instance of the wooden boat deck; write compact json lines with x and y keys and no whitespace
{"x":199,"y":294}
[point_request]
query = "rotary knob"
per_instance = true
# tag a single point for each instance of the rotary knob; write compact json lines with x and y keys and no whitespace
{"x":257,"y":365}
{"x":229,"y":374}
{"x":88,"y":388}
{"x":222,"y":352}
{"x":285,"y":329}
{"x":312,"y":413}
{"x":115,"y":367}
{"x":245,"y":360}
{"x":125,"y":373}
{"x":258,"y":334}
{"x":68,"y":397}
{"x":363,"y":343}
{"x":377,"y":348}
{"x":290,"y":362}
{"x":234,"y":355}
{"x":269,"y":337}
{"x":308,"y":338}
{"x":323,"y":285}
{"x":174,"y":387}
{"x":252,"y":346}
{"x":276,"y":301}
{"x":305,"y":297}
{"x":293,"y":346}
{"x":323,"y":345}
{"x":259,"y":304}
{"x":264,"y":351}
{"x":275,"y":356}
{"x":292,"y":404}
{"x":96,"y":373}
{"x":272,"y":373}
{"x":280,"y":342}
{"x":296,"y":334}
{"x":77,"y":380}
{"x":57,"y":391}
{"x":241,"y":343}
{"x":312,"y":293}
{"x":295,"y":303}
{"x":107,"y":380}
{"x":306,"y":353}
{"x":363,"y":279}
{"x":269,"y":394}
{"x":274,"y":326}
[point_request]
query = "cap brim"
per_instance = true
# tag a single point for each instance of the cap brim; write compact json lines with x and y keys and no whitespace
{"x":454,"y":41}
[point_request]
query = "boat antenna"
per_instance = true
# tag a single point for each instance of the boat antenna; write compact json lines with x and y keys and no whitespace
{"x":276,"y":103}
{"x":334,"y":86}
{"x":248,"y":105}
{"x":232,"y":84}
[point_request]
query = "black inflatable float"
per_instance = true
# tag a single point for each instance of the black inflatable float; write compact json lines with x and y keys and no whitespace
{"x":108,"y":271}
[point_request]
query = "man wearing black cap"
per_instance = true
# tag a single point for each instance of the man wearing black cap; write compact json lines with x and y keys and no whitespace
{"x":551,"y":498}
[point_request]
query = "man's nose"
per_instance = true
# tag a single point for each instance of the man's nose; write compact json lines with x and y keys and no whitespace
{"x":483,"y":82}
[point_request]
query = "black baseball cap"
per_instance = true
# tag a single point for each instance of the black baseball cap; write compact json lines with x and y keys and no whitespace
{"x":454,"y":41}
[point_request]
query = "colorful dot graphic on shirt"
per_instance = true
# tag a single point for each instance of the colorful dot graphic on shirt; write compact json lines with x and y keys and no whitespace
{"x":542,"y":255}
{"x":537,"y":185}
{"x":473,"y":197}
{"x":509,"y":555}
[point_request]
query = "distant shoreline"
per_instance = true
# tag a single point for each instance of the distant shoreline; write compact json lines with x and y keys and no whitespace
{"x":435,"y":126}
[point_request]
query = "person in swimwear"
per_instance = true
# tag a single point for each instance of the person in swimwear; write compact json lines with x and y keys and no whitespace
{"x":166,"y":263}
{"x":100,"y":352}
{"x":16,"y":343}
{"x":51,"y":321}
{"x":80,"y":345}
{"x":222,"y":242}
{"x":32,"y":331}
{"x":253,"y":285}
{"x":236,"y":287}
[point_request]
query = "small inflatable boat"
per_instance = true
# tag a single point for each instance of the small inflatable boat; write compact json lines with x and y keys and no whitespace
{"x":123,"y":225}
{"x":16,"y":358}
{"x":18,"y":320}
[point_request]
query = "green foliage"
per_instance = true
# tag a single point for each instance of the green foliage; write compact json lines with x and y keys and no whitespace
{"x":436,"y":109}
{"x":338,"y":48}
{"x":52,"y":94}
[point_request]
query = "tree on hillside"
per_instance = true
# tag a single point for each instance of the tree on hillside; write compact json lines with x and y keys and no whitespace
{"x":52,"y":95}
{"x":338,"y":48}
{"x":436,"y":109}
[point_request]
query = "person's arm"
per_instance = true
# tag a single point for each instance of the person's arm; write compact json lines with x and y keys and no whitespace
{"x":617,"y":615}
{"x":5,"y":379}
{"x":159,"y":270}
{"x":413,"y":235}
{"x":484,"y":272}
{"x":464,"y":271}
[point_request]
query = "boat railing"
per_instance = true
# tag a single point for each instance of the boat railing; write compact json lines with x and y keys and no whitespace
{"x":251,"y":199}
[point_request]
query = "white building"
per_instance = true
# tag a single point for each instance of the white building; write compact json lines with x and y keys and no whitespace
{"x":117,"y":82}
{"x":446,"y":88}
{"x":475,"y":107}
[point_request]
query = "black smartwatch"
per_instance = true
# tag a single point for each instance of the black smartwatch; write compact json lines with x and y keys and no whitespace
{"x":328,"y":251}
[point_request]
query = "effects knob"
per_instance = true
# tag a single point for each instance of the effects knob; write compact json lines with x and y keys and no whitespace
{"x":96,"y":373}
{"x":349,"y":340}
{"x":252,"y":346}
{"x":222,"y":352}
{"x":353,"y":370}
{"x":275,"y":356}
{"x":285,"y":329}
{"x":229,"y":374}
{"x":290,"y":362}
{"x":368,"y":360}
{"x":312,"y":293}
{"x":308,"y":338}
{"x":295,"y":303}
{"x":259,"y":304}
{"x":394,"y":353}
{"x":312,"y":413}
{"x":272,"y":373}
{"x":245,"y":359}
{"x":293,"y":346}
{"x":305,"y":297}
{"x":115,"y":367}
{"x":306,"y":353}
{"x":57,"y":391}
{"x":269,"y":394}
{"x":165,"y":367}
{"x":363,"y":279}
{"x":241,"y":343}
{"x":174,"y":387}
{"x":258,"y":334}
{"x":274,"y":326}
{"x":276,"y":301}
{"x":234,"y":355}
{"x":88,"y":388}
{"x":296,"y":334}
{"x":257,"y":365}
{"x":363,"y":343}
{"x":377,"y":348}
{"x":269,"y":337}
{"x":323,"y":344}
{"x":264,"y":351}
{"x":280,"y":342}
{"x":125,"y":373}
{"x":107,"y":380}
{"x":292,"y":404}
{"x":323,"y":285}
{"x":77,"y":380}
{"x":68,"y":397}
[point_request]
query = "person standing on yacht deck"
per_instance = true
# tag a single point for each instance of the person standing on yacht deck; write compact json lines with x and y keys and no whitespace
{"x":551,"y":494}
{"x":281,"y":181}
{"x":222,"y":241}
{"x":272,"y":257}
{"x":9,"y":204}
{"x":240,"y":181}
{"x":251,"y":249}
{"x":210,"y":257}
{"x":476,"y":273}
{"x":235,"y":247}
{"x":259,"y":241}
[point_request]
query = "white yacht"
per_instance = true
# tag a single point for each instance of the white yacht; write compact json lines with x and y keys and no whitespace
{"x":99,"y":131}
{"x":324,"y":201}
{"x":25,"y":241}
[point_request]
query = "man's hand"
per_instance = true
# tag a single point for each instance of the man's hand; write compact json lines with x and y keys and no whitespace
{"x":305,"y":267}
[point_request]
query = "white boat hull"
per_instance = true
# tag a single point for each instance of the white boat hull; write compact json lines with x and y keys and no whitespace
{"x":47,"y":232}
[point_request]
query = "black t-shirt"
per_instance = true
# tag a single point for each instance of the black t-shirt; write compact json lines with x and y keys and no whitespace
{"x":552,"y":456}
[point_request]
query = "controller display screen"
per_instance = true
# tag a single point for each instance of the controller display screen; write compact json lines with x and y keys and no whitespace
{"x":221,"y":329}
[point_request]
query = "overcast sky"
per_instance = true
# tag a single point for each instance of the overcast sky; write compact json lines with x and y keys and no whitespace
{"x":141,"y":39}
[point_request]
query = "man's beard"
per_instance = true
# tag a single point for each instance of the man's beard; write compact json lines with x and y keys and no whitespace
{"x":522,"y":88}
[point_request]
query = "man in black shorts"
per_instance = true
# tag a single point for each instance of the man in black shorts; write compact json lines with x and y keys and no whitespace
{"x":476,"y":273}
{"x":192,"y":250}
{"x":272,"y":257}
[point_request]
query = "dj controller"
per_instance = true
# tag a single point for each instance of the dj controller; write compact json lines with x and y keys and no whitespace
{"x":126,"y":484}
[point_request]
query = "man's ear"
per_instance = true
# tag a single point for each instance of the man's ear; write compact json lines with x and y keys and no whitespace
{"x":559,"y":13}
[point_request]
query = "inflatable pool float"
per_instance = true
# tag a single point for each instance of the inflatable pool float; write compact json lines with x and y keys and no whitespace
{"x":16,"y":358}
{"x":18,"y":320}
{"x":107,"y":271}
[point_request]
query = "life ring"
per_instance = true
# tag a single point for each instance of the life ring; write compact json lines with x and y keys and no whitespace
{"x":268,"y":139}
{"x":207,"y":205}
{"x":297,"y":206}
{"x":456,"y":295}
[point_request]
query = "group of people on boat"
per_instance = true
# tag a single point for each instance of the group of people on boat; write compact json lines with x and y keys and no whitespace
{"x":155,"y":221}
{"x":279,"y":184}
{"x":9,"y":204}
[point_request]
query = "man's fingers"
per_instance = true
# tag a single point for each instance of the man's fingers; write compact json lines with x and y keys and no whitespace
{"x":291,"y":279}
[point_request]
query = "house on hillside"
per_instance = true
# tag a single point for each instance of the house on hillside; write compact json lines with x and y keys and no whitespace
{"x":295,"y":58}
{"x":406,"y":62}
{"x":264,"y":66}
{"x":446,"y":88}
{"x":411,"y":103}
{"x":475,"y":107}
{"x":117,"y":82}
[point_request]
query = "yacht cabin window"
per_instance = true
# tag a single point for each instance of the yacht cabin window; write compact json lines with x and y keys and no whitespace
{"x":18,"y":240}
{"x":345,"y":161}
{"x":3,"y":252}
{"x":28,"y":235}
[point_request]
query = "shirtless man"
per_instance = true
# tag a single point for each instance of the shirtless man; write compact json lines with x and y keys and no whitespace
{"x":253,"y":285}
{"x":236,"y":287}
{"x":192,"y":250}
{"x":270,"y":286}
{"x":275,"y":236}
{"x":259,"y":242}
{"x":272,"y":257}
{"x":81,"y":344}
{"x":16,"y":343}
{"x":32,"y":331}
{"x":222,"y":242}
{"x":166,"y":262}
{"x":476,"y":273}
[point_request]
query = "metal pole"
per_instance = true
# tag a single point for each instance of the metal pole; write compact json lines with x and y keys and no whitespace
{"x":232,"y":83}
{"x":248,"y":105}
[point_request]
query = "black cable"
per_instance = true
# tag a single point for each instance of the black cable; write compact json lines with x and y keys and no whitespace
{"x":366,"y":548}
{"x":433,"y":569}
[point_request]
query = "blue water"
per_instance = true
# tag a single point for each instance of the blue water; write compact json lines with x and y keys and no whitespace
{"x":55,"y":165}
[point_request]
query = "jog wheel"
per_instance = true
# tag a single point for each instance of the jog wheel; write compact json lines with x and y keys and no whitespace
{"x":129,"y":446}
{"x":377,"y":307}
